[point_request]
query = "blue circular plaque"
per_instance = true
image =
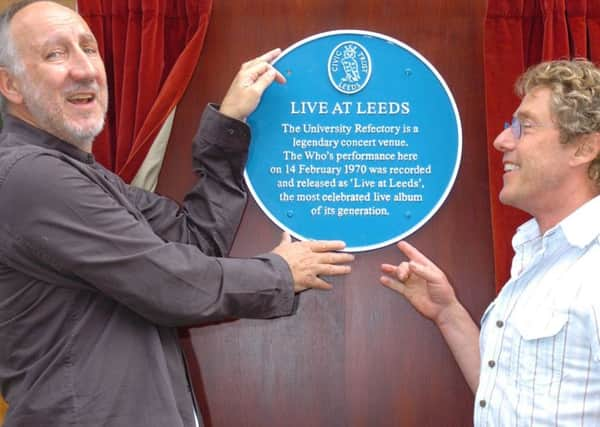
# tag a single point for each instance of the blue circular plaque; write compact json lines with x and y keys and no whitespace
{"x":362,"y":144}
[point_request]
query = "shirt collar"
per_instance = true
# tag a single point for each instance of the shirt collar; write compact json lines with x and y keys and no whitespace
{"x":580,"y":228}
{"x":36,"y":136}
{"x":526,"y":232}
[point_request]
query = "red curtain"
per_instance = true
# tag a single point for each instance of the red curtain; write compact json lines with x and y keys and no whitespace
{"x":518,"y":34}
{"x":150,"y":49}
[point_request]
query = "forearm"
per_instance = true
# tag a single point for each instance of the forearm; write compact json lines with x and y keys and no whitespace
{"x":68,"y":228}
{"x":462,"y":336}
{"x":213,"y":207}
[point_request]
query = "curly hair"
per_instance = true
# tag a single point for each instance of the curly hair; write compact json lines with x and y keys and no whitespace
{"x":575,"y":99}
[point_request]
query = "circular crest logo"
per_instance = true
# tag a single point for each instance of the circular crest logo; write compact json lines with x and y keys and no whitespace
{"x":349,"y":67}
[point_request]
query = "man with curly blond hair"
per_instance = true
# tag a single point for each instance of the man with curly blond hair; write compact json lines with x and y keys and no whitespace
{"x":536,"y":359}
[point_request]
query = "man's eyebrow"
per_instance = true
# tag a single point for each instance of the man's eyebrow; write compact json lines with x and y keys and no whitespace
{"x":52,"y":40}
{"x":524,"y":114}
{"x":58,"y":38}
{"x":88,"y":38}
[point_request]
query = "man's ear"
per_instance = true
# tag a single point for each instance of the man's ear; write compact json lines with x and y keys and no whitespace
{"x":588,"y":149}
{"x":9,"y":87}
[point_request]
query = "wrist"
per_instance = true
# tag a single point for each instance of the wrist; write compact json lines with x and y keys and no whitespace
{"x":231,"y":113}
{"x":450,"y":315}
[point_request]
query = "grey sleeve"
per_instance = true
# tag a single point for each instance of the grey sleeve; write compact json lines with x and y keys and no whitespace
{"x":60,"y":227}
{"x":213,"y":207}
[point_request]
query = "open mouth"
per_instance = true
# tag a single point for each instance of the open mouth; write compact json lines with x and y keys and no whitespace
{"x":509,"y":167}
{"x":81,"y":98}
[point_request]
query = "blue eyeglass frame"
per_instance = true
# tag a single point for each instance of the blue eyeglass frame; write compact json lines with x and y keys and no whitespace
{"x":515,"y":127}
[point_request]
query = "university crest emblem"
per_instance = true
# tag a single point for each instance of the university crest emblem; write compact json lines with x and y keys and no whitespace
{"x":349,"y":67}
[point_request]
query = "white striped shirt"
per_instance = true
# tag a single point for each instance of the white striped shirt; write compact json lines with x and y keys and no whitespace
{"x":540,"y":339}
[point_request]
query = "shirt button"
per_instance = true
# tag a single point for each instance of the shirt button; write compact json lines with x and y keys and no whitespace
{"x":491,"y":363}
{"x":482,"y":403}
{"x":499,"y":323}
{"x":230,"y":131}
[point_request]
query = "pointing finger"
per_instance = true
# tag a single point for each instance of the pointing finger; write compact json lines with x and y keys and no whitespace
{"x":413,"y":253}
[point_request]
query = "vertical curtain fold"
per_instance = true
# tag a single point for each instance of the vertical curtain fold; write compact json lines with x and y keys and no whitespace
{"x":593,"y":30}
{"x":151,"y":49}
{"x":556,"y":33}
{"x":576,"y":23}
{"x":519,"y":34}
{"x":506,"y":41}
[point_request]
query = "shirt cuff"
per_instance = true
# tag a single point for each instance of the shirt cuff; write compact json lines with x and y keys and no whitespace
{"x":231,"y":135}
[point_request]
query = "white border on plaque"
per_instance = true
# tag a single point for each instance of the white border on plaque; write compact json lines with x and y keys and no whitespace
{"x":362,"y":144}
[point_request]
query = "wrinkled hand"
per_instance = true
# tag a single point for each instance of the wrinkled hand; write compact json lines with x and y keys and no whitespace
{"x":310,"y":259}
{"x":421,"y":282}
{"x":247,"y":87}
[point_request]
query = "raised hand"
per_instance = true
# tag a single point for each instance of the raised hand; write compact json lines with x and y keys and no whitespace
{"x":247,"y":87}
{"x":421,"y":282}
{"x":309,"y":260}
{"x":426,"y":287}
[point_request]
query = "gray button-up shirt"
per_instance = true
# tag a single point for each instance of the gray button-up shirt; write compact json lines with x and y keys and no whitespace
{"x":95,"y":275}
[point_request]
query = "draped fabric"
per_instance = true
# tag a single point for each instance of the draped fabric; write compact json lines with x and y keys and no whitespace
{"x":518,"y":34}
{"x":150,"y":49}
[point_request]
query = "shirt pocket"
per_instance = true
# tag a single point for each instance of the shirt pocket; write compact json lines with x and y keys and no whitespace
{"x":536,"y":359}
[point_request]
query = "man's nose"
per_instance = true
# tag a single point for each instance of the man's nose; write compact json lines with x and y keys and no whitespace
{"x":83,"y":67}
{"x":505,"y":141}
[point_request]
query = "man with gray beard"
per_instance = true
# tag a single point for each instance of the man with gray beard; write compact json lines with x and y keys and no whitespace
{"x":95,"y":275}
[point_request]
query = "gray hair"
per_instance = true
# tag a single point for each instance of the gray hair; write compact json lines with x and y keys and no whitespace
{"x":9,"y":57}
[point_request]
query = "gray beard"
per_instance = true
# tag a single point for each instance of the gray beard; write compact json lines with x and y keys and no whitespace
{"x":50,"y":119}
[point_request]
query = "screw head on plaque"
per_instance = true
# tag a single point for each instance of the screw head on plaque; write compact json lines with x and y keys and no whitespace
{"x":363,"y":143}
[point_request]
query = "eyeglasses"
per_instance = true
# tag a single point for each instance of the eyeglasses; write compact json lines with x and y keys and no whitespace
{"x":516,"y":126}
